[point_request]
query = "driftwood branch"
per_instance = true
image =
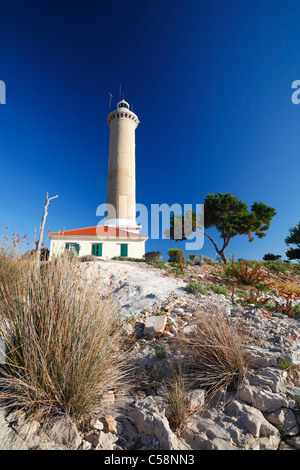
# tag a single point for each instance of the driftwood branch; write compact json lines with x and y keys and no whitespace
{"x":42,"y":226}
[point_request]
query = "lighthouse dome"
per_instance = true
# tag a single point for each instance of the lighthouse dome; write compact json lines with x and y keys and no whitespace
{"x":123,"y":104}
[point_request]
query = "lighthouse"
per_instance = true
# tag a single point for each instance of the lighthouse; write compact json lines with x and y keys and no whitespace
{"x":119,"y":236}
{"x":121,"y":181}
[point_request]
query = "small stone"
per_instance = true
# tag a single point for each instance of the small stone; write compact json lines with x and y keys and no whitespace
{"x":110,"y":424}
{"x":196,"y":399}
{"x":97,"y":424}
{"x":154,"y":326}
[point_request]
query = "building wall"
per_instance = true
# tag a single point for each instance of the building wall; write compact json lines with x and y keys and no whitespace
{"x":110,"y":248}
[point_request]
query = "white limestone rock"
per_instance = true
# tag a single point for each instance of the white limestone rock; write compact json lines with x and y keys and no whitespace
{"x":284,"y":420}
{"x":155,"y":325}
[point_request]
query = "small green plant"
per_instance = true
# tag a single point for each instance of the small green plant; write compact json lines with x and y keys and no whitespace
{"x":193,"y":257}
{"x":296,"y":311}
{"x":161,"y":313}
{"x":160,"y":351}
{"x":254,"y":298}
{"x":218,"y":289}
{"x":196,"y":288}
{"x":177,"y":272}
{"x":262,"y":287}
{"x":127,"y":258}
{"x":158,"y":264}
{"x":131,"y":319}
{"x":283,"y":363}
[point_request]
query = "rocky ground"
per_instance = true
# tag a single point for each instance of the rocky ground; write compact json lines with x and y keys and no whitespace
{"x":263,"y":414}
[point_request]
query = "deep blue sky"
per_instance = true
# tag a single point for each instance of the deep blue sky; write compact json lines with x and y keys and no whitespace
{"x":210,"y":81}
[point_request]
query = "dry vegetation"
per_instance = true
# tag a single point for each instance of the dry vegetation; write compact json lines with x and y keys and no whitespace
{"x":215,"y":354}
{"x":65,"y":341}
{"x":65,"y":345}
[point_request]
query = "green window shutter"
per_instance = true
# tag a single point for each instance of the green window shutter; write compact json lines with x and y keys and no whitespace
{"x":67,"y":246}
{"x":124,"y":249}
{"x":97,"y":249}
{"x":77,"y":247}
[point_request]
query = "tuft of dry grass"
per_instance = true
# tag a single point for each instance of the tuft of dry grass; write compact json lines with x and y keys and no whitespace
{"x":178,"y":411}
{"x":65,"y":344}
{"x":291,"y":287}
{"x":215,"y":354}
{"x":13,"y":260}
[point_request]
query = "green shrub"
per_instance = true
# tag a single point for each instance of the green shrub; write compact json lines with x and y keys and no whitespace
{"x":193,"y":257}
{"x":277,"y":266}
{"x":271,"y":257}
{"x":196,"y":288}
{"x":174,"y":254}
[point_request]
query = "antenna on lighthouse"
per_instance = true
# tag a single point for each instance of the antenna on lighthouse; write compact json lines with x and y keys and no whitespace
{"x":120,"y":90}
{"x":110,"y":97}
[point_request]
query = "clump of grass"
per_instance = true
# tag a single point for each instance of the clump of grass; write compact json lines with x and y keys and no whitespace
{"x":196,"y":288}
{"x":64,"y":343}
{"x":178,"y":410}
{"x":215,"y":353}
{"x":13,"y":260}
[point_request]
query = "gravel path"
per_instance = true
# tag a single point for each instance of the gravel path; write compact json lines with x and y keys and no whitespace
{"x":135,"y":286}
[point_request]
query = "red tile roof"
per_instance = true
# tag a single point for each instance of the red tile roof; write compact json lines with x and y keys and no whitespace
{"x":98,"y":231}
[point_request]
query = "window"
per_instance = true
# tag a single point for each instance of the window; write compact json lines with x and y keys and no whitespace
{"x":124,"y":249}
{"x":97,"y":249}
{"x":73,"y":247}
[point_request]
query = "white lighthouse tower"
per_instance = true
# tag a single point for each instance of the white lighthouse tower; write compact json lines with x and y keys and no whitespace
{"x":119,"y":235}
{"x":121,"y":192}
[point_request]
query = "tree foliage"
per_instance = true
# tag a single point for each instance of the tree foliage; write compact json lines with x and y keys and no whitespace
{"x":229,"y":216}
{"x":294,"y":239}
{"x":271,"y":257}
